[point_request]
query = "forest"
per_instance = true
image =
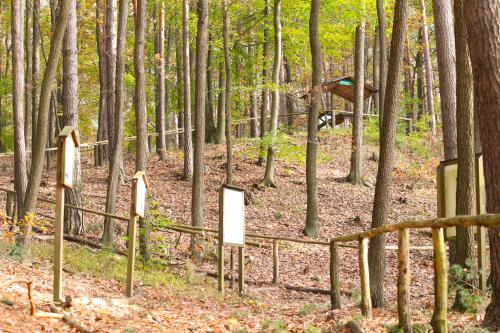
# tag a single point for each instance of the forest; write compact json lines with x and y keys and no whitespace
{"x":250,"y":166}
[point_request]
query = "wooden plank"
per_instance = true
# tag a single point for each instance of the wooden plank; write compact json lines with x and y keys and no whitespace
{"x":366,"y":301}
{"x":404,"y":281}
{"x":440,"y":282}
{"x":276,"y":262}
{"x":334,"y":277}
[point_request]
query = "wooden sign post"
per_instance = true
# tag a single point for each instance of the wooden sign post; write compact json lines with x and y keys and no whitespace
{"x":232,"y":230}
{"x":137,"y":209}
{"x":66,"y":146}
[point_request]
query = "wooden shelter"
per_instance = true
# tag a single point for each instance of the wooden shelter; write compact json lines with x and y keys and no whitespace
{"x":345,"y":87}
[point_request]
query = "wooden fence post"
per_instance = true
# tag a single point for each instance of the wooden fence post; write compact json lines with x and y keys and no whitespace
{"x":59,"y":226}
{"x":334,"y":276}
{"x":404,"y":281}
{"x":276,"y":262}
{"x":440,"y":282}
{"x":366,"y":301}
{"x":241,"y":272}
{"x":481,"y":262}
{"x":232,"y":266}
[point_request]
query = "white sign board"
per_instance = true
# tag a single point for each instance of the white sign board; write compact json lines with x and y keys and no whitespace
{"x":233,"y":216}
{"x":140,"y":197}
{"x":68,"y":161}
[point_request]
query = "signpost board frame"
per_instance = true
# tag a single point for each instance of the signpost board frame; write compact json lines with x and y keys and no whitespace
{"x":63,"y":180}
{"x":222,"y":243}
{"x":480,"y":232}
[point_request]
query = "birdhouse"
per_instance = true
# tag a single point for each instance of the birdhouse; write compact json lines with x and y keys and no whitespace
{"x":140,"y":188}
{"x":68,"y":142}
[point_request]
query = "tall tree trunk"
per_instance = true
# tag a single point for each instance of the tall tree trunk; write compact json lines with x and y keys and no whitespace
{"x":445,"y":48}
{"x":35,"y":86}
{"x":356,"y":174}
{"x":73,"y":219}
{"x":221,"y":115}
{"x":210,"y":107}
{"x":110,"y":52}
{"x":383,"y":59}
{"x":311,"y":227}
{"x":141,"y":157}
{"x":199,"y":133}
{"x":160,"y":81}
{"x":116,"y":156}
{"x":484,"y":41}
{"x":376,"y":69}
{"x":170,"y":116}
{"x":466,"y":185}
{"x":179,"y":86}
{"x":188,"y":134}
{"x":291,"y":107}
{"x":38,"y":151}
{"x":17,"y":36}
{"x":428,"y":69}
{"x":102,"y":129}
{"x":376,"y":253}
{"x":265,"y":88}
{"x":227,"y":94}
{"x":254,"y":122}
{"x":28,"y":42}
{"x":268,"y":180}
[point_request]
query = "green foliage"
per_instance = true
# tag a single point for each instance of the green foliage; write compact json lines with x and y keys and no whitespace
{"x":307,"y":309}
{"x":461,"y":284}
{"x":273,"y":326}
{"x":311,"y":329}
{"x":417,"y":328}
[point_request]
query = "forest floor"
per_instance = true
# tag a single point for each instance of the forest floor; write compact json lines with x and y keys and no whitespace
{"x":174,"y":292}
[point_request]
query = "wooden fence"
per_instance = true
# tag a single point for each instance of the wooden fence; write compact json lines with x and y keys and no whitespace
{"x":360,"y":240}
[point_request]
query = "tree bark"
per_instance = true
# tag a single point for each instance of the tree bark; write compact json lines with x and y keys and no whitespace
{"x":110,"y":53}
{"x":227,"y":94}
{"x":221,"y":117}
{"x":28,"y":42}
{"x":382,"y":59}
{"x":102,"y":123}
{"x":35,"y":87}
{"x":268,"y":180}
{"x":483,"y":30}
{"x":291,"y":106}
{"x":170,"y":116}
{"x":38,"y":152}
{"x":73,"y":219}
{"x":356,"y":174}
{"x":141,"y":157}
{"x":428,"y":70}
{"x":199,"y":133}
{"x":17,"y":36}
{"x":376,"y":68}
{"x":253,"y":76}
{"x":265,"y":88}
{"x":387,"y":145}
{"x":210,"y":130}
{"x":445,"y":48}
{"x":466,"y":185}
{"x":180,"y":89}
{"x":160,"y":80}
{"x":311,"y":226}
{"x":188,"y":135}
{"x":116,"y":156}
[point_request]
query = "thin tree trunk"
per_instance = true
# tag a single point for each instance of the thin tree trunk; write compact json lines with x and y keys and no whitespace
{"x":428,"y":69}
{"x":376,"y":69}
{"x":110,"y":52}
{"x":221,"y":115}
{"x":35,"y":87}
{"x":445,"y":49}
{"x":170,"y":116}
{"x":210,"y":107}
{"x":291,"y":106}
{"x":466,"y":185}
{"x":180,"y":89}
{"x":188,"y":135}
{"x":20,"y":176}
{"x":387,"y":140}
{"x":268,"y":180}
{"x":383,"y":59}
{"x":311,"y":226}
{"x":199,"y":133}
{"x":227,"y":94}
{"x":73,"y":219}
{"x":356,"y":174}
{"x":102,"y":129}
{"x":141,"y":157}
{"x":484,"y":41}
{"x":28,"y":42}
{"x":253,"y":77}
{"x":160,"y":81}
{"x":116,"y":157}
{"x":265,"y":88}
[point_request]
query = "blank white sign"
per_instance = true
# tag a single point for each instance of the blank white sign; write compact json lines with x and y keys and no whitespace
{"x":69,"y":160}
{"x":140,"y":197}
{"x":233,"y":217}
